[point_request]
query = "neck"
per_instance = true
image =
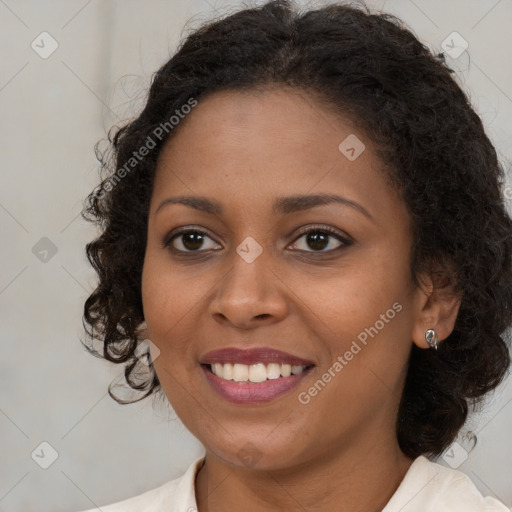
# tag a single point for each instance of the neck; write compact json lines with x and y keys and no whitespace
{"x":354,"y":480}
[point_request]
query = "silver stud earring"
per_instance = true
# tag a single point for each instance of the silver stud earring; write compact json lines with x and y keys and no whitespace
{"x":431,"y":338}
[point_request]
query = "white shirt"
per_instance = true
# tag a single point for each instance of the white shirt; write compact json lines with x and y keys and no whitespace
{"x":426,"y":487}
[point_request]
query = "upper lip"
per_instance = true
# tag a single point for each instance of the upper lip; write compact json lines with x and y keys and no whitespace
{"x":252,"y":356}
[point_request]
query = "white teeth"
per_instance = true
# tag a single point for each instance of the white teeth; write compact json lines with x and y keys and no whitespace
{"x":218,"y":369}
{"x":273,"y":371}
{"x":286,"y":370}
{"x":240,"y":372}
{"x":258,"y":372}
{"x":227,"y":371}
{"x":297,"y":369}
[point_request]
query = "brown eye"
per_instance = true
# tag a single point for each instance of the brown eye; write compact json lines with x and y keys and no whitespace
{"x":191,"y":240}
{"x":318,"y":239}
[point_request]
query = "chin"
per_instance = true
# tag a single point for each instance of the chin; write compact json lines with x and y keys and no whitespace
{"x":257,"y":453}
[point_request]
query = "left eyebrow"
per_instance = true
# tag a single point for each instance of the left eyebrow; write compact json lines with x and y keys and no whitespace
{"x":296,"y":203}
{"x":282,"y":205}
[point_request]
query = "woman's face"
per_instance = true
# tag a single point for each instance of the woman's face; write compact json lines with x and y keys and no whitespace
{"x":268,"y":275}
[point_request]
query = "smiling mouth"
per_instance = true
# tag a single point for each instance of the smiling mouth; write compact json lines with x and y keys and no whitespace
{"x":254,"y":373}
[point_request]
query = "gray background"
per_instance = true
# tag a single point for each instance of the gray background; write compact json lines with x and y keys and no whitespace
{"x":53,"y":111}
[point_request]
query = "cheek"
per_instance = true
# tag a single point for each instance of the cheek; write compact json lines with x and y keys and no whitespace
{"x":166,"y":302}
{"x":351,"y":297}
{"x":169,"y":294}
{"x":363,"y":315}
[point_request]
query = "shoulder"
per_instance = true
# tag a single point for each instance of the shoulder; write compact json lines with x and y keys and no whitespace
{"x":429,"y":487}
{"x":178,"y":494}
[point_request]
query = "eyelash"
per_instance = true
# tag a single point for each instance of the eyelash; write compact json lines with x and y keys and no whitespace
{"x":346,"y":242}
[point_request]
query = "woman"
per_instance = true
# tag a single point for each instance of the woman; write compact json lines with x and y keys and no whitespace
{"x":307,"y":223}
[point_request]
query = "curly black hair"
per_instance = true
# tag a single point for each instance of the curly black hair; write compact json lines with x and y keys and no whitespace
{"x":370,"y":67}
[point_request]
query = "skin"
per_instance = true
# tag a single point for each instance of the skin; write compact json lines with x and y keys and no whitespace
{"x":339,"y":451}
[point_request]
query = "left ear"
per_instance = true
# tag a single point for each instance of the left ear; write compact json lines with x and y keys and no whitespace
{"x":437,"y":308}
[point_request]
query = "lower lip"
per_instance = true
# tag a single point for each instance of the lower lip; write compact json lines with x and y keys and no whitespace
{"x":252,"y":393}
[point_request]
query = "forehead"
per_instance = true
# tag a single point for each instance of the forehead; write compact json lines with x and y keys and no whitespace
{"x":264,"y":143}
{"x":280,"y":117}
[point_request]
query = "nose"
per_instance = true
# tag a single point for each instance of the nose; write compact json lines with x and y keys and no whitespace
{"x":249,"y":295}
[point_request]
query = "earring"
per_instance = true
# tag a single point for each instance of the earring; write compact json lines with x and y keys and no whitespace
{"x":431,"y":338}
